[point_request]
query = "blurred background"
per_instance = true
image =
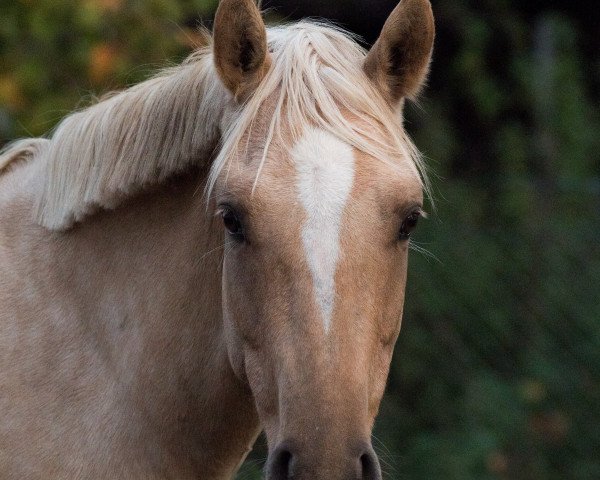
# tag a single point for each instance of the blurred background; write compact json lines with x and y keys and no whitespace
{"x":497,"y":370}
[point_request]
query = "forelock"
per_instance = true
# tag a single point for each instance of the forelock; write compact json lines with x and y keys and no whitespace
{"x":316,"y":80}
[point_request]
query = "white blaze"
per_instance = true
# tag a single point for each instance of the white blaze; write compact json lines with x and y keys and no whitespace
{"x":325,"y":174}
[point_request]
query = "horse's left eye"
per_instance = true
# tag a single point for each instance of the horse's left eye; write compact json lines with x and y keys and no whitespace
{"x":232,"y":224}
{"x":409,"y":224}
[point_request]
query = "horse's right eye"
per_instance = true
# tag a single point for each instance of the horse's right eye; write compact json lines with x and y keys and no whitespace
{"x":232,"y":224}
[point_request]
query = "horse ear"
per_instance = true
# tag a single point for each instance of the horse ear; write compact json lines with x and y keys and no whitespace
{"x":240,"y":46}
{"x":398,"y":63}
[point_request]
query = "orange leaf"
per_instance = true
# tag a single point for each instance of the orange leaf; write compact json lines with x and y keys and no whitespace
{"x":10,"y":93}
{"x":103,"y":60}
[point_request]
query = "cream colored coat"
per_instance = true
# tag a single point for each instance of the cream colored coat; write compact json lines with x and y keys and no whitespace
{"x":140,"y":341}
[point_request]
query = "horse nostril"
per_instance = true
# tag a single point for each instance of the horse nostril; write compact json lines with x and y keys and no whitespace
{"x":370,"y":466}
{"x":280,"y":465}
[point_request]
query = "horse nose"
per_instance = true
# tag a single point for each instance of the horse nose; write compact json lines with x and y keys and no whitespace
{"x":279,"y":464}
{"x":284,"y":464}
{"x":369,"y":467}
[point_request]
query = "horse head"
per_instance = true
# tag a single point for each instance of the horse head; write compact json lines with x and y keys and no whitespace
{"x":318,"y":188}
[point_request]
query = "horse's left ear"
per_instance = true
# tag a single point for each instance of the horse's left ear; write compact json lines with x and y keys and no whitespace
{"x":240,"y":46}
{"x":398,"y":63}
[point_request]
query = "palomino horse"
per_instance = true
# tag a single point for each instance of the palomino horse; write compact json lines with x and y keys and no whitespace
{"x":217,"y":251}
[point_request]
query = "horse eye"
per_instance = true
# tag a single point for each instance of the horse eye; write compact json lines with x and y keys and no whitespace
{"x":408,"y":225}
{"x":232,"y":224}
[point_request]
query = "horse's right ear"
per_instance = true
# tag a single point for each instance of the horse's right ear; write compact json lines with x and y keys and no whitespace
{"x":398,"y":63}
{"x":240,"y":46}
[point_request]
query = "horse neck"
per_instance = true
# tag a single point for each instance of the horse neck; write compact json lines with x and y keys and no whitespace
{"x":148,"y":284}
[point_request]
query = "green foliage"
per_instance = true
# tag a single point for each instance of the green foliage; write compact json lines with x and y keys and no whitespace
{"x":497,"y":370}
{"x":54,"y":53}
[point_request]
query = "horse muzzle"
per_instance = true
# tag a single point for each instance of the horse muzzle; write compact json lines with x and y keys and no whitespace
{"x":287,"y":462}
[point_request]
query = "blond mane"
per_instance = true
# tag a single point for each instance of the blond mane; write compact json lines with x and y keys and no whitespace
{"x":134,"y":138}
{"x":141,"y":136}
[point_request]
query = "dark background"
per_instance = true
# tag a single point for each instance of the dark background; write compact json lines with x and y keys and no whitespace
{"x":497,"y":369}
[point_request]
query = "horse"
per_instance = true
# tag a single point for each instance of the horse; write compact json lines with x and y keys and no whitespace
{"x":218,"y":251}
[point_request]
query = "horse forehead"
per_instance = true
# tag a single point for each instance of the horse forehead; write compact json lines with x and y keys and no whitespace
{"x":324,"y":167}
